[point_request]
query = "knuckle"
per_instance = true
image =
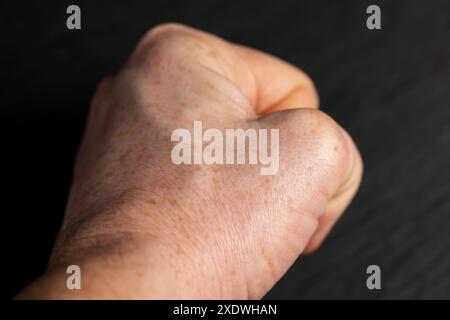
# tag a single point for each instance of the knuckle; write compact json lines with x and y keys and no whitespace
{"x":166,"y":30}
{"x":323,"y":129}
{"x":329,"y":137}
{"x":321,"y":137}
{"x":335,"y":149}
{"x":169,"y":35}
{"x":165,"y":43}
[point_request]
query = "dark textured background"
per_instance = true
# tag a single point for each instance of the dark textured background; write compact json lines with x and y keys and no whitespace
{"x":390,"y":89}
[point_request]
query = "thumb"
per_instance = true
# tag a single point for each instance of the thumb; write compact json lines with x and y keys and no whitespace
{"x":320,"y":166}
{"x":319,"y":173}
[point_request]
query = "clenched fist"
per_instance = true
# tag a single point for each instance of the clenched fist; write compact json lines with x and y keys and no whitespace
{"x":141,"y":226}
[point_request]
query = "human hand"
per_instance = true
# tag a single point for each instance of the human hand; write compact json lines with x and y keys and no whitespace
{"x":140,"y":226}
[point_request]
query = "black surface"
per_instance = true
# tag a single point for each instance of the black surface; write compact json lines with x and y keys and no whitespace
{"x":389,"y":88}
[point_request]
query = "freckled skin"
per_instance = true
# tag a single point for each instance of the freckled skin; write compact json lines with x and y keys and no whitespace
{"x":142,"y":227}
